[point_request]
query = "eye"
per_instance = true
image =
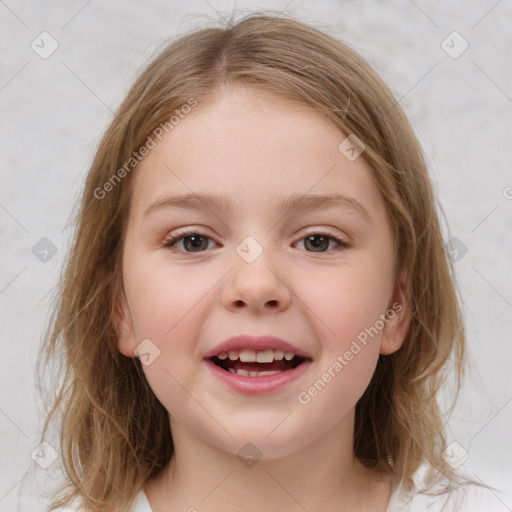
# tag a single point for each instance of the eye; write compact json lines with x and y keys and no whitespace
{"x":193,"y":240}
{"x":319,"y":241}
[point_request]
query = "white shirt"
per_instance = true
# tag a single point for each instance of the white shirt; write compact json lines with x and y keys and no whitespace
{"x":467,"y":498}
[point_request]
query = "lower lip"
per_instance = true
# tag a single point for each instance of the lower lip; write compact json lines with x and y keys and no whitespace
{"x":257,"y":385}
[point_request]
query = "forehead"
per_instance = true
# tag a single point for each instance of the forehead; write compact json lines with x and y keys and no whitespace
{"x":243,"y":118}
{"x":251,"y":147}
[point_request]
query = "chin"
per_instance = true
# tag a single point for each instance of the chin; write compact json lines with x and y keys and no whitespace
{"x":251,"y":444}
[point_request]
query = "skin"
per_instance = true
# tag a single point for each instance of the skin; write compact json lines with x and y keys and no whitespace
{"x":256,"y":149}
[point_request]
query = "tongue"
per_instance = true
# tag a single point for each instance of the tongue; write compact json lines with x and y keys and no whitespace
{"x":261,"y":367}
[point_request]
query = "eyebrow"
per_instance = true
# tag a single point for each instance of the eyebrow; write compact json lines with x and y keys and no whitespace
{"x":295,"y":201}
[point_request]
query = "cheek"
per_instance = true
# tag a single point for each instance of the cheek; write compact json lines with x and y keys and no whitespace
{"x":345,"y":301}
{"x":345,"y":305}
{"x":166,"y":301}
{"x":168,"y":306}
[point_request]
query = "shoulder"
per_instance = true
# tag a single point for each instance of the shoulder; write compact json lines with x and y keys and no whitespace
{"x":466,"y":497}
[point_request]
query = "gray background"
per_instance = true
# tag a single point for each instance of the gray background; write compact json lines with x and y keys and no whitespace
{"x":54,"y":110}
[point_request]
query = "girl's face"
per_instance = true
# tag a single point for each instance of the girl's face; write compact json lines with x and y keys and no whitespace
{"x":257,"y":266}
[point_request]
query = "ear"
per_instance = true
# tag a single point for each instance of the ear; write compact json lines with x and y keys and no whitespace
{"x":123,"y":324}
{"x":398,"y":317}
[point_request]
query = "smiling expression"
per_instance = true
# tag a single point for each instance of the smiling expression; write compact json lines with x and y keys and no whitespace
{"x":247,"y":219}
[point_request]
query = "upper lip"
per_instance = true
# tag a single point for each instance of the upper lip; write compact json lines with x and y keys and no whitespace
{"x":256,"y":343}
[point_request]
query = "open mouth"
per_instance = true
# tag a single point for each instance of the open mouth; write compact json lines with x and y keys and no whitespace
{"x":248,"y":363}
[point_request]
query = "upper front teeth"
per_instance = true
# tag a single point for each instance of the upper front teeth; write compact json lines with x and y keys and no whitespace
{"x":251,"y":356}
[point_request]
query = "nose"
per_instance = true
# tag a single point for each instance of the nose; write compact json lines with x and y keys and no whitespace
{"x":259,"y":286}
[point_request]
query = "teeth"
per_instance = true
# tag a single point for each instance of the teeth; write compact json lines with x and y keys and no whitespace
{"x":251,"y":374}
{"x":267,"y":356}
{"x":247,"y":356}
{"x":251,"y":356}
{"x":278,"y":355}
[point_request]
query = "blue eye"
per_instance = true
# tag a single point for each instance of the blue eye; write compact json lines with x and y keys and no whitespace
{"x":195,"y":241}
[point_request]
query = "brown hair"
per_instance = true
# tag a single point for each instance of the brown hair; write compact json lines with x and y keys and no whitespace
{"x":114,"y":433}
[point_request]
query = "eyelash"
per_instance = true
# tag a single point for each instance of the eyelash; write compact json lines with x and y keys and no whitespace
{"x":171,"y":241}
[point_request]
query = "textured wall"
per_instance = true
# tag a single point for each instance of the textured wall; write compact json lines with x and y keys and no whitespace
{"x":53,"y":111}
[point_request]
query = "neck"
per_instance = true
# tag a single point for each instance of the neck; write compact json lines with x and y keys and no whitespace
{"x":323,"y":475}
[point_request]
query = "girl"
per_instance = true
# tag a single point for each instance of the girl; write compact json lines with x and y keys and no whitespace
{"x":257,"y":311}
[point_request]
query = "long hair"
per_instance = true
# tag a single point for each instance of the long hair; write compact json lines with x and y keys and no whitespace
{"x":114,"y":433}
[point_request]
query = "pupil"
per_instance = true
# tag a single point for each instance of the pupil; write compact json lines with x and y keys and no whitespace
{"x":317,"y":243}
{"x":195,"y":241}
